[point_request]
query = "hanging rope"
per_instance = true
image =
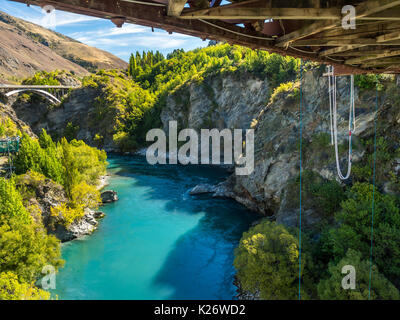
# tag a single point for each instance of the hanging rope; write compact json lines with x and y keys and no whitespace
{"x":333,"y":120}
{"x":373,"y":196}
{"x":301,"y":171}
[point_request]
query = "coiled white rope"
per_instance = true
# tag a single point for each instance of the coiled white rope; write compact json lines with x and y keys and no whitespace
{"x":333,"y":121}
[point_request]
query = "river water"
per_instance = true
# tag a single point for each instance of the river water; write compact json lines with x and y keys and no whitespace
{"x":157,"y":241}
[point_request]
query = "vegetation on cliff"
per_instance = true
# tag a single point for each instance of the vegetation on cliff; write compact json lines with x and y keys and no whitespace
{"x":341,"y":233}
{"x":25,"y":246}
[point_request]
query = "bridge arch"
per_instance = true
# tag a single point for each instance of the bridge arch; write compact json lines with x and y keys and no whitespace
{"x":42,"y":93}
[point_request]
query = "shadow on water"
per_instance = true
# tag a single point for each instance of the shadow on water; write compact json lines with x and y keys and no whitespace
{"x":199,"y":266}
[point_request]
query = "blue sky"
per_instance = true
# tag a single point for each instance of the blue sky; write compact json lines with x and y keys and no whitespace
{"x":102,"y":33}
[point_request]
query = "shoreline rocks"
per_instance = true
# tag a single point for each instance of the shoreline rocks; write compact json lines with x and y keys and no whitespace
{"x":221,"y":190}
{"x":109,"y":196}
{"x":82,"y":227}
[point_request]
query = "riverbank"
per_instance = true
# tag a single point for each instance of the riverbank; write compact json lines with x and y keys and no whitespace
{"x":157,"y":241}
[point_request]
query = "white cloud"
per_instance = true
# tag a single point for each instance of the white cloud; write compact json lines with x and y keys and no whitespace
{"x":101,"y":33}
{"x":38,"y":16}
{"x":107,"y":32}
{"x":162,"y":42}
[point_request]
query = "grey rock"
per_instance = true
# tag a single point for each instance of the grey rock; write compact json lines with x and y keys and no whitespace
{"x":109,"y":196}
{"x":201,"y":189}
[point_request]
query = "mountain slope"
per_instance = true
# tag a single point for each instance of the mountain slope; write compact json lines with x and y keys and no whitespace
{"x":26,"y":48}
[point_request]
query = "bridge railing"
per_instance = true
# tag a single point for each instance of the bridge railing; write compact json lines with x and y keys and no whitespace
{"x":9,"y":145}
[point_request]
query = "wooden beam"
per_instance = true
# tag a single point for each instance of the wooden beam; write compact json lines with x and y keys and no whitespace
{"x":237,"y":12}
{"x":222,"y":13}
{"x":175,"y":7}
{"x":382,"y":62}
{"x":359,"y":53}
{"x":340,"y":49}
{"x":365,"y":9}
{"x":320,"y":42}
{"x":388,"y":37}
{"x":381,"y":55}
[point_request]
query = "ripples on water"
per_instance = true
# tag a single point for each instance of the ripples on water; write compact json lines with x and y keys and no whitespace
{"x":157,"y":241}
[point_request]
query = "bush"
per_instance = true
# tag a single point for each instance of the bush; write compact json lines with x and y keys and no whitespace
{"x":381,"y":288}
{"x":12,"y":289}
{"x":66,"y":163}
{"x":353,"y":229}
{"x":267,"y":262}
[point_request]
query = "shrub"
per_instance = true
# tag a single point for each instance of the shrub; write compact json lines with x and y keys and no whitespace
{"x":381,"y":288}
{"x":267,"y":262}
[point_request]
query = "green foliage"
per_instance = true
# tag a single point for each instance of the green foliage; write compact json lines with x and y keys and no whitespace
{"x":267,"y":261}
{"x":353,"y":229}
{"x":181,"y":66}
{"x":368,"y":81}
{"x":32,"y":156}
{"x":82,"y":196}
{"x":13,"y":289}
{"x":71,"y":131}
{"x":381,"y":288}
{"x":286,"y":88}
{"x":26,"y":248}
{"x":138,"y":64}
{"x":323,"y":195}
{"x":43,"y":78}
{"x":123,"y":101}
{"x":8,"y":128}
{"x":66,"y":163}
{"x":24,"y":245}
{"x":11,"y":206}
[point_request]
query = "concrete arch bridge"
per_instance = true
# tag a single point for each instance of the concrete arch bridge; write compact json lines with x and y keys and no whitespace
{"x":51,"y":93}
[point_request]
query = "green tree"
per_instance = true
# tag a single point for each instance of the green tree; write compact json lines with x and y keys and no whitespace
{"x":267,"y":262}
{"x":11,"y":206}
{"x":331,"y":288}
{"x":13,"y":289}
{"x":353,"y":229}
{"x":70,"y":166}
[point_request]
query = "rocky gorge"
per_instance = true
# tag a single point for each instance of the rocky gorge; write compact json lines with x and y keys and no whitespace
{"x":245,"y":101}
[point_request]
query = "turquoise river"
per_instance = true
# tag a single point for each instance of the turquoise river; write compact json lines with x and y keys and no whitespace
{"x":157,"y":241}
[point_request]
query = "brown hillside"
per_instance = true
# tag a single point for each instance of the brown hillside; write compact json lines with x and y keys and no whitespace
{"x":26,"y":48}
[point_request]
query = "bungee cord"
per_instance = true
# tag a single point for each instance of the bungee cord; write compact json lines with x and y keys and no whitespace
{"x":333,"y":121}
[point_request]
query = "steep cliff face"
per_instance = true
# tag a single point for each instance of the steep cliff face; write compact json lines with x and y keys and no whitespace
{"x":217,"y":102}
{"x":76,"y":110}
{"x":271,"y":188}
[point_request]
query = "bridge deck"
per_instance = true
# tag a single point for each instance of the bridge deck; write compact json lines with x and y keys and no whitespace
{"x":16,"y":86}
{"x":310,"y":29}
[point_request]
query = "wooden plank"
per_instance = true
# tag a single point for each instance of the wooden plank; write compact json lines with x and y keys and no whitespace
{"x":359,"y":53}
{"x":320,"y":42}
{"x":340,"y":49}
{"x":228,"y":12}
{"x":365,"y":9}
{"x":388,"y":37}
{"x":381,"y":55}
{"x":175,"y":7}
{"x":382,"y":62}
{"x":225,"y":13}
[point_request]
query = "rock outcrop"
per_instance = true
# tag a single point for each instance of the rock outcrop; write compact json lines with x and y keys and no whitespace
{"x":41,"y":195}
{"x":109,"y":196}
{"x":231,"y":102}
